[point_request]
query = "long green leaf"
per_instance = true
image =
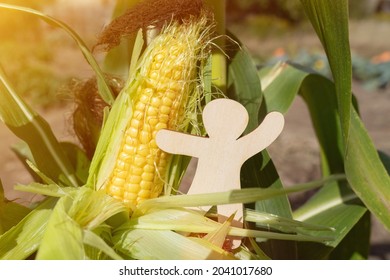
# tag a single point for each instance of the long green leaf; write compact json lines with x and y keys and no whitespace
{"x":244,"y":86}
{"x":245,"y":195}
{"x":327,"y":206}
{"x":330,"y":21}
{"x":363,"y":167}
{"x":35,"y":131}
{"x":104,"y":89}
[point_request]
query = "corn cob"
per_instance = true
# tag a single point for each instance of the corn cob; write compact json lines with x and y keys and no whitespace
{"x":165,"y":79}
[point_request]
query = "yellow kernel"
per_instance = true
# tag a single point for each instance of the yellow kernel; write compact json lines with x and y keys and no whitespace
{"x":135,"y":123}
{"x":139,"y":160}
{"x":167,"y":72}
{"x":152,"y":121}
{"x":132,"y":188}
{"x":136,"y":170}
{"x":134,"y":179}
{"x":160,"y":125}
{"x":129,"y":149}
{"x":152,"y":111}
{"x":153,"y":75}
{"x":147,"y":127}
{"x":140,"y":106}
{"x":130,"y":196}
{"x":138,"y":114}
{"x":165,"y":109}
{"x":164,"y":118}
{"x":166,"y":101}
{"x":143,"y":150}
{"x":144,"y":98}
{"x":149,"y":168}
{"x":147,"y":176}
{"x":159,"y":57}
{"x":146,"y":185}
{"x":153,"y":144}
{"x":123,"y":155}
{"x":155,"y":101}
{"x":148,"y":91}
{"x":122,"y":165}
{"x":120,"y":173}
{"x":156,"y":66}
{"x":144,"y":194}
{"x":115,"y":190}
{"x":116,"y":181}
{"x":171,"y":94}
{"x":145,"y":137}
{"x":132,"y":132}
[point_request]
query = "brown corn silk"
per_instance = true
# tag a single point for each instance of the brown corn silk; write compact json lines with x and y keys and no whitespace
{"x":148,"y":13}
{"x":88,"y":113}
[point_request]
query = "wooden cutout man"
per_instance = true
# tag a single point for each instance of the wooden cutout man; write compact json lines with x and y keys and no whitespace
{"x":221,"y":155}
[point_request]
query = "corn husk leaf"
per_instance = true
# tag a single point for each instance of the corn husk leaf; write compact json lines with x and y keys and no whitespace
{"x":246,"y":195}
{"x":22,"y":240}
{"x":218,"y":236}
{"x":74,"y":217}
{"x":109,"y":141}
{"x":164,"y":245}
{"x":53,"y":190}
{"x":184,"y":220}
{"x":63,"y":237}
{"x":95,"y":241}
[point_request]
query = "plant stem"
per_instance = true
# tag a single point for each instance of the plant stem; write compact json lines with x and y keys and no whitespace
{"x":219,"y":73}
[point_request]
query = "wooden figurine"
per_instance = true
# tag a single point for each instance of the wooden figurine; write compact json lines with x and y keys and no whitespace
{"x":222,"y":153}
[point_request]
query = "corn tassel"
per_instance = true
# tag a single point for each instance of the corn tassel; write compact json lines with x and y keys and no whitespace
{"x":166,"y":76}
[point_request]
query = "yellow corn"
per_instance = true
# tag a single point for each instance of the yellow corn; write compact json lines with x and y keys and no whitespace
{"x":165,"y":80}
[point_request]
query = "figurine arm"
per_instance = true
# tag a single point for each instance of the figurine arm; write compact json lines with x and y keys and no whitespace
{"x":174,"y":142}
{"x":263,"y":135}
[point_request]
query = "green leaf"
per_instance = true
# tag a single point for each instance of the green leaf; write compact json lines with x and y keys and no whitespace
{"x":104,"y":89}
{"x":22,"y":240}
{"x":245,"y":195}
{"x":328,"y":203}
{"x":330,"y":21}
{"x":10,"y":212}
{"x":333,"y":206}
{"x":244,"y":86}
{"x":363,"y":167}
{"x":117,"y":61}
{"x":349,"y":249}
{"x":36,"y":132}
{"x":192,"y":221}
{"x":366,"y":173}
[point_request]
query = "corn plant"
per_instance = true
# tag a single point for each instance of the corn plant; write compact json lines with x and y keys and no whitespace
{"x":117,"y":198}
